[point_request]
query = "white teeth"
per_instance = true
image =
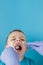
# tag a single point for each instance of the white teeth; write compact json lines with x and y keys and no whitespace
{"x":17,"y":47}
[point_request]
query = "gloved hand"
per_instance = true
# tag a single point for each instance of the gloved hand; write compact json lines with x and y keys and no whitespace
{"x":10,"y":57}
{"x":38,"y":46}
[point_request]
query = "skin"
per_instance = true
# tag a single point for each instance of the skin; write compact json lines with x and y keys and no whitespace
{"x":17,"y":38}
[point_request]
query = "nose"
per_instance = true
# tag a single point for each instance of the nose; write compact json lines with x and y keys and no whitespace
{"x":18,"y":41}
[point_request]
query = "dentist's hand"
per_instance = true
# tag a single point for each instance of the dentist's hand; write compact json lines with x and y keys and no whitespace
{"x":38,"y":46}
{"x":10,"y":57}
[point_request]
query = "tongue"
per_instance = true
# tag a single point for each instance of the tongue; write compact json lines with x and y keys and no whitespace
{"x":18,"y":48}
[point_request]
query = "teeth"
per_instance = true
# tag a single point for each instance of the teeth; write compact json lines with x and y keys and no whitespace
{"x":17,"y":47}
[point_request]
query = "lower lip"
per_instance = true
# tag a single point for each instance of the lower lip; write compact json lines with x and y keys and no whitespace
{"x":18,"y":51}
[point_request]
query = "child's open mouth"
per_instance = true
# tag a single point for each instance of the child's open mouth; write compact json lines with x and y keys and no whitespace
{"x":18,"y":48}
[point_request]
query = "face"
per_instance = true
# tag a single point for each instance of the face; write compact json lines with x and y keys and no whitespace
{"x":18,"y":41}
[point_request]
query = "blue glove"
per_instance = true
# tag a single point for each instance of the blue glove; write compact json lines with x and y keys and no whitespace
{"x":10,"y":57}
{"x":38,"y":46}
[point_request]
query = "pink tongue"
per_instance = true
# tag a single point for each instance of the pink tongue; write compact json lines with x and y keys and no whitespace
{"x":18,"y":48}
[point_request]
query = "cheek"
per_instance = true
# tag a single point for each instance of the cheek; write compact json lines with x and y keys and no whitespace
{"x":10,"y":43}
{"x":23,"y":43}
{"x":24,"y":48}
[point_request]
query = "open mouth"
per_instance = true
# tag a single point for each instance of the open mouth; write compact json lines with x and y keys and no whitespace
{"x":18,"y":48}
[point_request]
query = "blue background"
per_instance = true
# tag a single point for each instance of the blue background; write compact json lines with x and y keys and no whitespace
{"x":26,"y":15}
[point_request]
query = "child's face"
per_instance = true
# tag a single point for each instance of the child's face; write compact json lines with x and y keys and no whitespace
{"x":18,"y":41}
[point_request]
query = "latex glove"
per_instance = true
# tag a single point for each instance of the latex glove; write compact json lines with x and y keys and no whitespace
{"x":10,"y":57}
{"x":38,"y":46}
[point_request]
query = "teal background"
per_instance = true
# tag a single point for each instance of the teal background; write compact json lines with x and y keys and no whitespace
{"x":26,"y":15}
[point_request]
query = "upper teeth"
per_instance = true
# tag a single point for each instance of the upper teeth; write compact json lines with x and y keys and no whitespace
{"x":17,"y":47}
